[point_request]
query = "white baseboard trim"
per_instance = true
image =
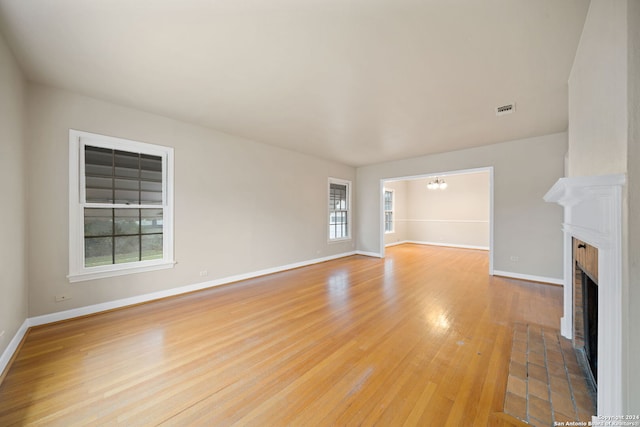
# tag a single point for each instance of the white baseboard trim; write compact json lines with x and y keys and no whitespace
{"x":449,"y":245}
{"x":8,"y":352}
{"x":402,"y":242}
{"x":371,"y":254}
{"x":110,"y":305}
{"x":528,"y":277}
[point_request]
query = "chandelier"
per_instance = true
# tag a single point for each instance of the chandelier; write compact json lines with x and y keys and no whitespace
{"x":438,"y":184}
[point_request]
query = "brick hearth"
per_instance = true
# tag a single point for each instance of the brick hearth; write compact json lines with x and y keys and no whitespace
{"x":546,"y":384}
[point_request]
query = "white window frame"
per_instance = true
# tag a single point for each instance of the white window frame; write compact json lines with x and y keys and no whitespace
{"x":77,"y":270}
{"x":393,"y":210}
{"x":348,"y":209}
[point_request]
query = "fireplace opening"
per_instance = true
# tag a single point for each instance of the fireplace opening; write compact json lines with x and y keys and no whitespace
{"x":590,"y":311}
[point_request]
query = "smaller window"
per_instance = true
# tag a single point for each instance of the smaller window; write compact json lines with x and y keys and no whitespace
{"x":339,"y":209}
{"x":388,"y":211}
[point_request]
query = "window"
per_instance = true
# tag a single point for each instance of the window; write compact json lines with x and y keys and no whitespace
{"x":388,"y":211}
{"x":339,"y":209}
{"x":120,"y":206}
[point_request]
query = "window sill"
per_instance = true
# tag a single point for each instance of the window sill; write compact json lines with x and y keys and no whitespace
{"x":120,"y":271}
{"x":341,"y":240}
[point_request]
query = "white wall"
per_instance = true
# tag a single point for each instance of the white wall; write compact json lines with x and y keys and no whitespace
{"x":598,"y":93}
{"x":524,"y":225}
{"x":604,"y":138}
{"x":456,"y":216}
{"x":240,"y":206}
{"x":13,"y":213}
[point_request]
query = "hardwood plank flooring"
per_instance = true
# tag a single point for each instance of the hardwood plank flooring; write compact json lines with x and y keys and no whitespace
{"x":422,"y":337}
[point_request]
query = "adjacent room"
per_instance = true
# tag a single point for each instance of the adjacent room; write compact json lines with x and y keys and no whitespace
{"x":451,"y":209}
{"x":308,"y":212}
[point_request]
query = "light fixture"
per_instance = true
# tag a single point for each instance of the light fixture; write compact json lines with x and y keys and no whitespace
{"x":438,"y":184}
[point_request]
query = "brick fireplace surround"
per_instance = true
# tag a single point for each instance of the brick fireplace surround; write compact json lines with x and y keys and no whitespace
{"x":593,"y":214}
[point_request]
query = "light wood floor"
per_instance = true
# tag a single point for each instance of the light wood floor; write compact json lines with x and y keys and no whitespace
{"x":422,"y":337}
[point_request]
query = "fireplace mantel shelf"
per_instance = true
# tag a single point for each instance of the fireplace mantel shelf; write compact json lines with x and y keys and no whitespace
{"x":591,"y":213}
{"x":569,"y":191}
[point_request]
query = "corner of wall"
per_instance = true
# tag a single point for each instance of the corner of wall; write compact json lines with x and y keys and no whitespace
{"x":13,"y":177}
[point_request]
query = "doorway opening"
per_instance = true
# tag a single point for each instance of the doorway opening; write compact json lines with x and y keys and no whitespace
{"x":419,"y":209}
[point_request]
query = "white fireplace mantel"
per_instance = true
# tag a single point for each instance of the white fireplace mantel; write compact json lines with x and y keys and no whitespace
{"x":593,"y":214}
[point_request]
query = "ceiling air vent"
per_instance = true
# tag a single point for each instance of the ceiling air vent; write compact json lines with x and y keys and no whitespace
{"x":505,"y":109}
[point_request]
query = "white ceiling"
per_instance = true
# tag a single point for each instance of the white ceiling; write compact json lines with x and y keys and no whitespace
{"x":357,"y":81}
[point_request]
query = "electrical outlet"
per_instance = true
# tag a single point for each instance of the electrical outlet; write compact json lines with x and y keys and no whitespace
{"x":64,"y":297}
{"x":514,"y":258}
{"x":1,"y":337}
{"x":204,"y":273}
